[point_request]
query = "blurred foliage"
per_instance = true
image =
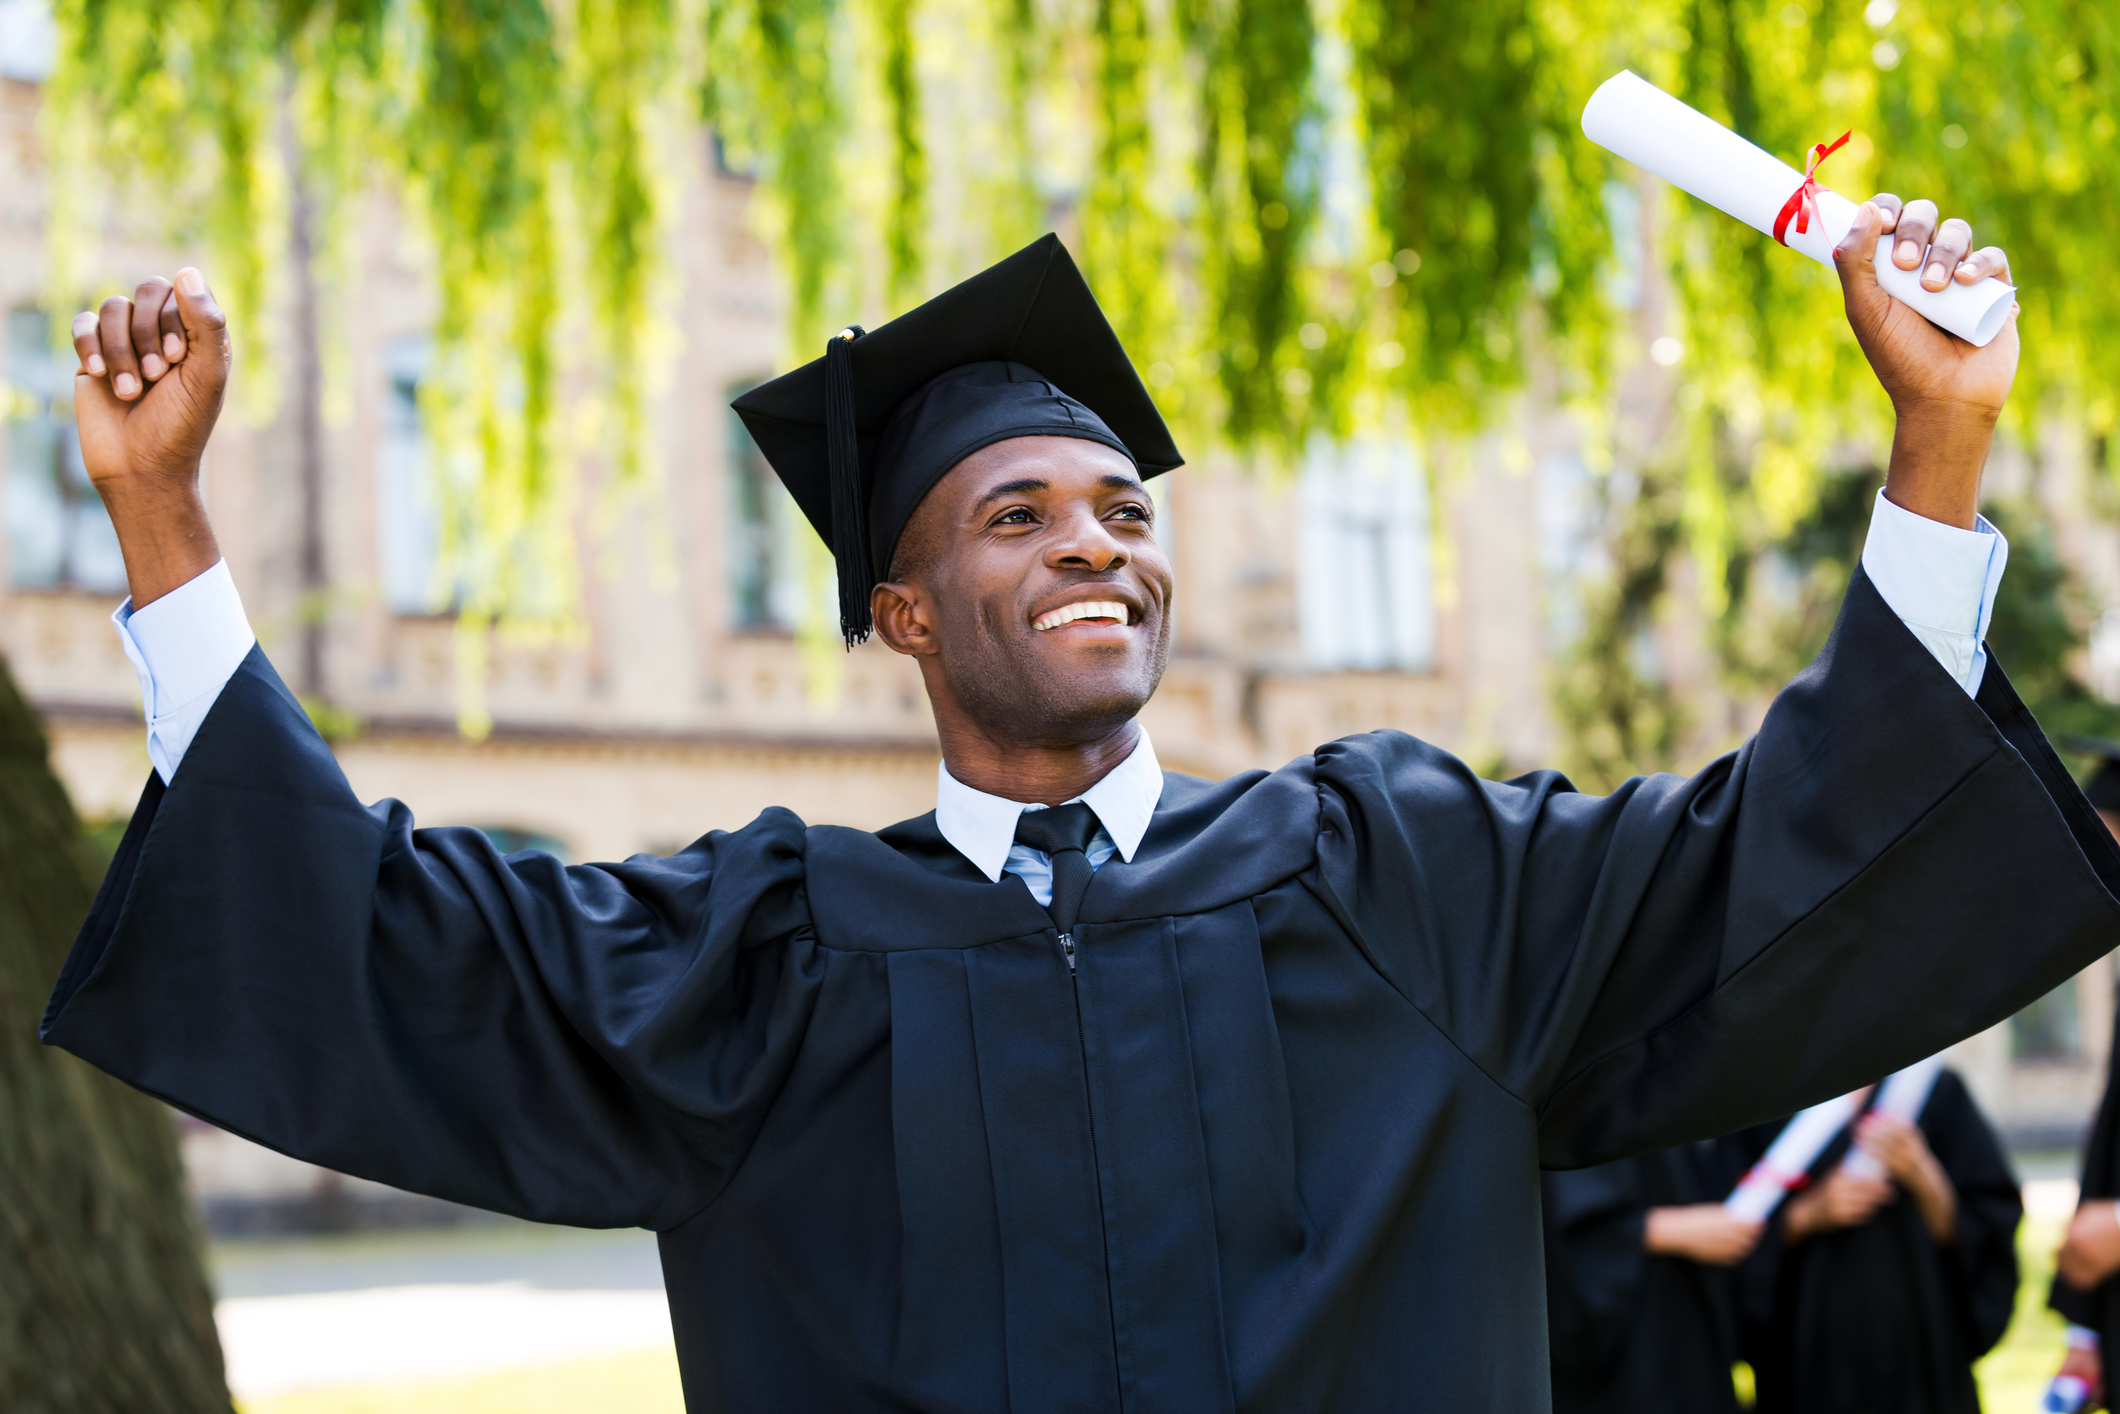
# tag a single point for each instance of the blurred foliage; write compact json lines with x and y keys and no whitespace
{"x":1782,"y":597}
{"x":2040,"y":626}
{"x":1784,"y":594}
{"x":1305,"y":216}
{"x":1610,"y":693}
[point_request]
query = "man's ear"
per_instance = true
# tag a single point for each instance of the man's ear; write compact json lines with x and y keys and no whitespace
{"x":901,"y":615}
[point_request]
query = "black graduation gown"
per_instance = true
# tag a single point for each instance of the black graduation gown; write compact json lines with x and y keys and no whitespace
{"x":1634,"y":1333}
{"x":1880,"y":1319}
{"x":2099,"y":1308}
{"x":1274,"y":1147}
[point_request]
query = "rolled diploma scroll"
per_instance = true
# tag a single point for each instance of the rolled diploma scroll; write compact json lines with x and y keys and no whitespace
{"x":1904,"y":1094}
{"x":1790,"y":1157}
{"x":1805,"y":1137}
{"x":1633,"y":118}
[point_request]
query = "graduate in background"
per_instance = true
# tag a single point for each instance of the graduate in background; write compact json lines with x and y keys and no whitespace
{"x":1639,"y":1291}
{"x":1885,"y":1290}
{"x":2085,"y":1290}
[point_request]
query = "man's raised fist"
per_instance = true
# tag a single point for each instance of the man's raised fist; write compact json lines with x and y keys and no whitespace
{"x":153,"y":371}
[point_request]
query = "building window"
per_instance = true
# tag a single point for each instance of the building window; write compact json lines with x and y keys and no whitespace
{"x":29,"y":41}
{"x":1365,"y":582}
{"x":2050,"y":1029}
{"x":408,"y":519}
{"x":765,"y":578}
{"x":58,"y":534}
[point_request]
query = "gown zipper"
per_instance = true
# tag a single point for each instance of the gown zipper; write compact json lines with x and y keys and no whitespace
{"x":1067,"y":950}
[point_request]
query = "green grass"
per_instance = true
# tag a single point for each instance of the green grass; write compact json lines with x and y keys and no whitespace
{"x":2015,"y":1372}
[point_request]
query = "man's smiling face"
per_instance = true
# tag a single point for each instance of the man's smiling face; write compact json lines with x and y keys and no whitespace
{"x":1032,"y":589}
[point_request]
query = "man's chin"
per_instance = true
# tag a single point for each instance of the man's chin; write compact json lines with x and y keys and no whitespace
{"x":1066,"y":712}
{"x":1056,"y":698}
{"x":1090,"y":706}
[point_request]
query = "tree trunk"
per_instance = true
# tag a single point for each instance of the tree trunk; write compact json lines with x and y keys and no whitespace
{"x":104,"y":1304}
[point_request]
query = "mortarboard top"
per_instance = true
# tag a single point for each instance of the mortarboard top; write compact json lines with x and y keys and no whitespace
{"x":2103,"y":787}
{"x":861,"y":435}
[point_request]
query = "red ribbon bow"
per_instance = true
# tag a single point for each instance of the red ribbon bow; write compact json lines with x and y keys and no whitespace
{"x":1799,"y":204}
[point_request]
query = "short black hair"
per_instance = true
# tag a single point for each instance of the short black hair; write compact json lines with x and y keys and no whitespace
{"x":915,"y":554}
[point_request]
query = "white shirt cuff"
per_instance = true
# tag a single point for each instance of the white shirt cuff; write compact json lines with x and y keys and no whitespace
{"x":1940,"y":581}
{"x":184,"y":647}
{"x":2082,"y":1338}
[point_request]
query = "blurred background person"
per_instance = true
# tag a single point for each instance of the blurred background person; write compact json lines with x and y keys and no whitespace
{"x":1876,"y":1295}
{"x":1639,"y":1295}
{"x":2084,"y":1291}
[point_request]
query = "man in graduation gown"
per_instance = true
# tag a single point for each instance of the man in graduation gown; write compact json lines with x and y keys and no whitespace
{"x":1640,"y":1299}
{"x":2086,"y":1287}
{"x":1177,"y":1094}
{"x":1880,"y":1293}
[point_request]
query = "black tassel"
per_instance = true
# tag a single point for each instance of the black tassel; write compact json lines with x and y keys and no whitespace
{"x":850,"y":511}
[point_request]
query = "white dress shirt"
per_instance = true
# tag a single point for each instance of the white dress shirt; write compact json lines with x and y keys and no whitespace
{"x":1938,"y":579}
{"x":983,"y":827}
{"x":1941,"y":582}
{"x":184,"y":647}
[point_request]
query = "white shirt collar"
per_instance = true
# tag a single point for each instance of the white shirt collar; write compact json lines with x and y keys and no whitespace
{"x":982,"y":826}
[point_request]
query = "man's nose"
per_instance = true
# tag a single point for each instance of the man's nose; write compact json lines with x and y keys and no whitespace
{"x":1085,"y":542}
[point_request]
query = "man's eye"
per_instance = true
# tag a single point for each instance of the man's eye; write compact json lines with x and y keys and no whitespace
{"x":1132,"y":512}
{"x":1018,"y":516}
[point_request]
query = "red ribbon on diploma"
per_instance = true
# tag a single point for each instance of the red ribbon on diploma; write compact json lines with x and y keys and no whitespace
{"x":1799,"y":204}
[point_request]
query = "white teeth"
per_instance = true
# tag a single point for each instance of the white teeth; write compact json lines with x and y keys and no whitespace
{"x":1088,"y":609}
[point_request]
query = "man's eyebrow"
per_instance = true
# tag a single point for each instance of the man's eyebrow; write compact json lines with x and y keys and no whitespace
{"x":1110,"y":481}
{"x":1014,"y":488}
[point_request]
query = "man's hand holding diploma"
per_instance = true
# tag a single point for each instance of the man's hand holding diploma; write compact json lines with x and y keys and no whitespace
{"x":153,"y":372}
{"x":1840,"y":1200}
{"x":1945,"y":393}
{"x":1948,"y":388}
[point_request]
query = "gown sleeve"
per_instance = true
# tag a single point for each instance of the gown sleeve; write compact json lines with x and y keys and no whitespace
{"x":1887,"y":867}
{"x":591,"y":1045}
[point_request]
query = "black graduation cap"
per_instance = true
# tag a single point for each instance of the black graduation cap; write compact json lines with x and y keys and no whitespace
{"x":1019,"y":350}
{"x":2102,"y":790}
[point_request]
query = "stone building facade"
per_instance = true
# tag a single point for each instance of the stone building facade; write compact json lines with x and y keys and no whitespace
{"x":1311,"y":604}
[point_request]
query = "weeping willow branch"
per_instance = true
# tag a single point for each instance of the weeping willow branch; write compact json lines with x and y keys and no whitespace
{"x":626,"y":63}
{"x":1259,"y":171}
{"x":772,"y":92}
{"x":1127,"y":228}
{"x":1202,"y":152}
{"x":908,"y":218}
{"x":1449,"y":93}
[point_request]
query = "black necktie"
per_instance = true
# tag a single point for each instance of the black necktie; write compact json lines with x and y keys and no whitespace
{"x":1063,"y":834}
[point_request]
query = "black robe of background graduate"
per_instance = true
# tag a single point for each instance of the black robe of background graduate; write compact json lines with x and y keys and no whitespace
{"x":1881,"y":1318}
{"x":1266,"y":1136}
{"x":2098,"y":1309}
{"x":1634,"y":1332}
